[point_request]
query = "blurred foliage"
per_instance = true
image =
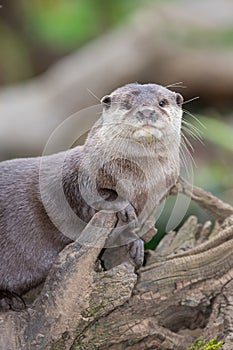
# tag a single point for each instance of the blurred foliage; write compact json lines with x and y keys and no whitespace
{"x":33,"y":34}
{"x":216,"y":173}
{"x":218,"y":132}
{"x":67,"y":24}
{"x":13,"y":52}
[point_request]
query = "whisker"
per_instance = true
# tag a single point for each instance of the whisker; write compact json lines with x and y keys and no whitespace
{"x":185,"y":144}
{"x":194,"y":135}
{"x":187,"y":161}
{"x":176,"y":85}
{"x":184,"y":154}
{"x":183,"y":158}
{"x":195,"y":118}
{"x":193,"y":130}
{"x":92,"y":93}
{"x":191,"y":99}
{"x":193,"y":127}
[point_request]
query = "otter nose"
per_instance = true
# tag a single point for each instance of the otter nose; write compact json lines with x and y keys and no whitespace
{"x":146,"y":113}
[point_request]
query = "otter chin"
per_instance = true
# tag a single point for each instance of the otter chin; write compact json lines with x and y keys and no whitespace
{"x":110,"y":169}
{"x":147,"y":134}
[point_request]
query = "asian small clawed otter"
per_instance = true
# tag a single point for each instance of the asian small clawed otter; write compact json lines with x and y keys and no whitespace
{"x":128,"y":163}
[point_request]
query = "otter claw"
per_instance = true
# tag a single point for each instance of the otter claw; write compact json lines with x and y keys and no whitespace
{"x":129,"y":216}
{"x":136,"y":252}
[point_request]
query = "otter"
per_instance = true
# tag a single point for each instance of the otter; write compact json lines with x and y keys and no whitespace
{"x":128,"y":163}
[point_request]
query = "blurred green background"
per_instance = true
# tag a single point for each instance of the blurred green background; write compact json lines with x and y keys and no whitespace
{"x":38,"y":33}
{"x":33,"y":34}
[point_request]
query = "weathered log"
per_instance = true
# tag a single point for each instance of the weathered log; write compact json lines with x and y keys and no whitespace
{"x":74,"y":296}
{"x":184,"y":291}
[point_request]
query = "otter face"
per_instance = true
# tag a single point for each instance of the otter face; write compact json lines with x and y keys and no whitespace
{"x":150,"y":111}
{"x":134,"y":148}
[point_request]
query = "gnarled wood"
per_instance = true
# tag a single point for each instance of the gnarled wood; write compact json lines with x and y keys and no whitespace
{"x":183,"y":291}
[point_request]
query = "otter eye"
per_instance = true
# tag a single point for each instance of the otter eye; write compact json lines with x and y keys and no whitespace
{"x":179,"y":99}
{"x":106,"y":101}
{"x":163,"y":103}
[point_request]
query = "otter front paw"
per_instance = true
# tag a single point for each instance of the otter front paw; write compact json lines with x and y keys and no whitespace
{"x":136,"y":252}
{"x":11,"y":301}
{"x":128,"y":215}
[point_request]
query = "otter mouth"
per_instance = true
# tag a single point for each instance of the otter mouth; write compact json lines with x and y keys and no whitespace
{"x":147,"y":133}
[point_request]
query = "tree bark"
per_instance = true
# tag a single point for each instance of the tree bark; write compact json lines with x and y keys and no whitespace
{"x":184,"y":291}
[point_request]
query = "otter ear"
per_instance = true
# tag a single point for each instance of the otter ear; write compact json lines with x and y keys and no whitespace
{"x":179,"y":99}
{"x":106,"y":101}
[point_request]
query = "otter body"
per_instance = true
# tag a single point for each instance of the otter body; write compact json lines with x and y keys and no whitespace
{"x":129,"y":160}
{"x":29,"y":242}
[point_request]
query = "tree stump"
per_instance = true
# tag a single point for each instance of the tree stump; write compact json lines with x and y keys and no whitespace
{"x":184,"y":292}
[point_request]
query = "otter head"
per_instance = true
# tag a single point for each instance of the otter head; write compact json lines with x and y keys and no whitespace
{"x":145,"y":112}
{"x":135,"y":141}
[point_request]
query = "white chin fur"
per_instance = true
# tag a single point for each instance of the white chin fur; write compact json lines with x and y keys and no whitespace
{"x":147,"y":134}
